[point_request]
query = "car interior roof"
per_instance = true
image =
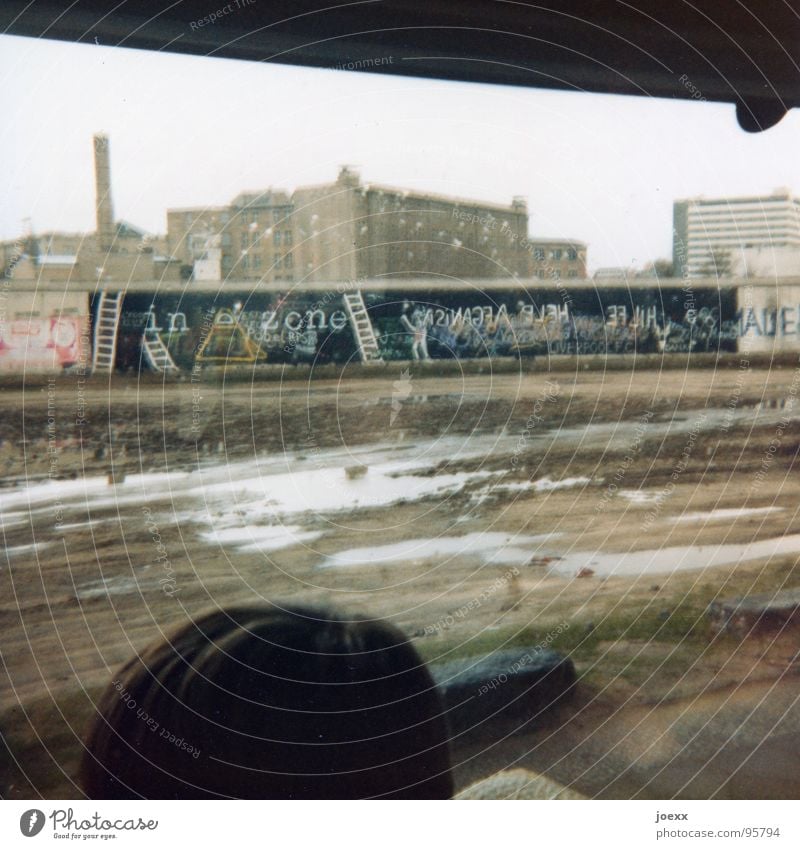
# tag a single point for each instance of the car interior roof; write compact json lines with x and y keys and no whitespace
{"x":742,"y":52}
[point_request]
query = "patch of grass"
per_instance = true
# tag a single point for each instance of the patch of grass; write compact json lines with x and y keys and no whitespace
{"x":481,"y":644}
{"x":656,"y":621}
{"x":643,"y":642}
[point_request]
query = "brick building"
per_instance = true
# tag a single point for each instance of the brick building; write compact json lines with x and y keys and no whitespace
{"x":347,"y":230}
{"x":557,"y":259}
{"x":254,"y":235}
{"x":339,"y":231}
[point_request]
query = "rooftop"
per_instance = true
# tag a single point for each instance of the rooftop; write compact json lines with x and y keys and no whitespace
{"x":782,"y":194}
{"x":56,"y":259}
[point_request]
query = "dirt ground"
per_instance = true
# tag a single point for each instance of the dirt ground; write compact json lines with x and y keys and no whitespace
{"x":593,"y":511}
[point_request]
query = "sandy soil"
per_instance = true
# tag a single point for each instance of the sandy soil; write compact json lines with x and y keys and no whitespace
{"x":475,"y":512}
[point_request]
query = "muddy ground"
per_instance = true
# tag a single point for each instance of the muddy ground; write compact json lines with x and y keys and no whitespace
{"x":475,"y":511}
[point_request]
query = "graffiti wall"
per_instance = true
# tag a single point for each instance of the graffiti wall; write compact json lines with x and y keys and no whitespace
{"x":42,"y":344}
{"x":313,"y":327}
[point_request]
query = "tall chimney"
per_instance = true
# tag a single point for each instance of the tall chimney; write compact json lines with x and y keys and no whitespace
{"x":104,"y":206}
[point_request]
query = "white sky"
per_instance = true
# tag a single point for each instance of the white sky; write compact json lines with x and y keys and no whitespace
{"x":192,"y":131}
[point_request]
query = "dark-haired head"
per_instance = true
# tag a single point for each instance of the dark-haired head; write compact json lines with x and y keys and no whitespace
{"x":256,"y":702}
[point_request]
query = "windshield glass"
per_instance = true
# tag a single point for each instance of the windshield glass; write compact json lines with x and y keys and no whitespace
{"x":516,"y":371}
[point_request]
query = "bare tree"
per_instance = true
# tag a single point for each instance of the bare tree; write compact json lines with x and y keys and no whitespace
{"x":718,"y":264}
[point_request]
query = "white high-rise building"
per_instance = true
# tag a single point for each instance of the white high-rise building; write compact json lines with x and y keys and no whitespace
{"x":737,"y":237}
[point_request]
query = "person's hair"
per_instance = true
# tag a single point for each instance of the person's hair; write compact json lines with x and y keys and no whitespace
{"x":258,"y":702}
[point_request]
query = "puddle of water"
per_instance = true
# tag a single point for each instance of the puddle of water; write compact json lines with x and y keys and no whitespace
{"x":481,"y":496}
{"x":723,"y":514}
{"x":493,"y":547}
{"x":111,"y":586}
{"x":619,"y":434}
{"x":510,"y":556}
{"x":17,"y":519}
{"x":79,"y":526}
{"x":329,"y":490}
{"x":673,"y":559}
{"x":287,"y":483}
{"x":255,"y":498}
{"x":542,"y":485}
{"x":639,"y":496}
{"x":30,"y":548}
{"x":548,"y":485}
{"x":261,"y":538}
{"x":50,"y":491}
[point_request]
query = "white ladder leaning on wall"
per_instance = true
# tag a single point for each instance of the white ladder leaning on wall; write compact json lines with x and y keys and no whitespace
{"x":106,"y":324}
{"x":362,"y":328}
{"x":156,"y":352}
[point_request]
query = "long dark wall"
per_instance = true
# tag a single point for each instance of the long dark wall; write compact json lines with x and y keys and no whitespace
{"x":470,"y":323}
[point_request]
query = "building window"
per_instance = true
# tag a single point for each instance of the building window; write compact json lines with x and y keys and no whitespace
{"x":538,"y":253}
{"x":278,"y":262}
{"x":572,"y":254}
{"x":245,"y":242}
{"x":225,"y":217}
{"x":226,"y":240}
{"x":287,"y":237}
{"x":288,"y":261}
{"x":256,"y":261}
{"x":540,"y":274}
{"x":572,"y":274}
{"x":557,"y":253}
{"x":277,"y":215}
{"x":276,"y":238}
{"x":555,"y":274}
{"x":245,"y":262}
